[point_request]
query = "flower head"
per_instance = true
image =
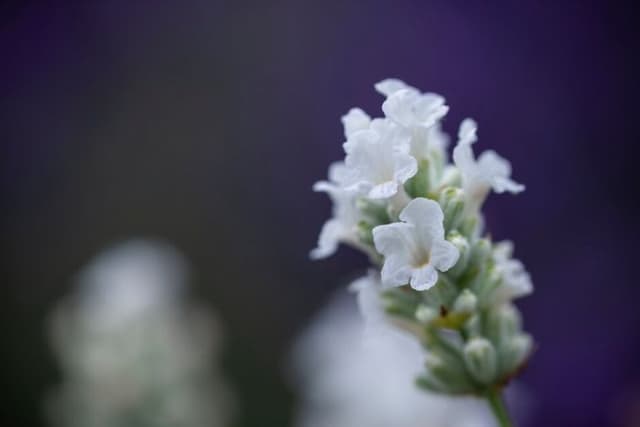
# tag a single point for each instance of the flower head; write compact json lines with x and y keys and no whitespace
{"x":378,"y":160}
{"x":415,"y":249}
{"x":481,"y":175}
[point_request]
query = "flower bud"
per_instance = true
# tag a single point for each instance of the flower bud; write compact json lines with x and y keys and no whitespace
{"x":462,"y":244}
{"x":481,"y":252}
{"x":466,"y":302}
{"x":480,"y":360}
{"x":374,"y":211}
{"x":503,"y":323}
{"x":419,"y":184}
{"x":365,"y":233}
{"x":425,"y":314}
{"x":450,"y":376}
{"x":452,"y":203}
{"x":514,"y":352}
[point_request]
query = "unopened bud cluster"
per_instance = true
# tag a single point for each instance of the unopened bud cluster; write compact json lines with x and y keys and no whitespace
{"x":398,"y":198}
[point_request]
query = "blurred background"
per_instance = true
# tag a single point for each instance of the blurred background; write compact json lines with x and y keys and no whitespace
{"x":205,"y":123}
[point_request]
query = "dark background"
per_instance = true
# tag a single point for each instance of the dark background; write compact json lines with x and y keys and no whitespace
{"x":205,"y":123}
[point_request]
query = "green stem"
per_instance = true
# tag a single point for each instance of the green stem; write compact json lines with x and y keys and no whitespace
{"x":498,"y":407}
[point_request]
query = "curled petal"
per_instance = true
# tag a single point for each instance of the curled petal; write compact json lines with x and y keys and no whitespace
{"x":424,"y":277}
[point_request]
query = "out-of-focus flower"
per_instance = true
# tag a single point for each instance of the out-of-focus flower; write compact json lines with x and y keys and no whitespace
{"x":516,"y":280}
{"x":133,"y":350}
{"x":415,"y":249}
{"x":487,"y":172}
{"x":342,"y":226}
{"x":345,"y":381}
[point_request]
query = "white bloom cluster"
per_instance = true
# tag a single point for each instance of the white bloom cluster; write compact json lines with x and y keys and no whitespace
{"x":398,"y":197}
{"x":132,"y":351}
{"x":347,"y":381}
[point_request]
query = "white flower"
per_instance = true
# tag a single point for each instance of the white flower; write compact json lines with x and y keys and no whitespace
{"x":355,"y":120}
{"x":424,"y":142}
{"x":348,"y":381}
{"x":516,"y":281}
{"x":368,"y":289}
{"x":388,"y":87}
{"x":489,"y":171}
{"x":410,"y":108}
{"x":342,"y":226}
{"x":132,"y":347}
{"x":378,"y":160}
{"x":415,"y":249}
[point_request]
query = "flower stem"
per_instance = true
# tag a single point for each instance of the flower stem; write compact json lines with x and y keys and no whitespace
{"x":498,"y":408}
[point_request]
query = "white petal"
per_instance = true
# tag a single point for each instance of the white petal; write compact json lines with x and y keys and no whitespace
{"x":501,"y":184}
{"x":463,"y":158}
{"x":388,"y":86}
{"x":383,"y":191}
{"x":390,"y":239}
{"x":338,"y":173}
{"x":355,"y":120}
{"x":429,"y":108}
{"x":444,"y":255}
{"x":493,"y":164}
{"x":396,"y":271}
{"x":330,"y":235}
{"x":427,"y":217}
{"x":399,"y":106}
{"x":405,"y":167}
{"x":503,"y":250}
{"x":467,"y":132}
{"x":424,"y":277}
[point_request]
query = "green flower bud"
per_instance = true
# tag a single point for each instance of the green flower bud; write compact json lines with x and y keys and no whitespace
{"x":466,"y":302}
{"x":480,"y":360}
{"x":452,"y":202}
{"x":502,"y":324}
{"x":420,"y":183}
{"x":481,"y":252}
{"x":462,"y":244}
{"x":425,"y":314}
{"x":374,"y":211}
{"x":514,"y":352}
{"x":450,"y":376}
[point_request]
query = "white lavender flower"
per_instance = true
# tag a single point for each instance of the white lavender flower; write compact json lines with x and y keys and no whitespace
{"x":378,"y":160}
{"x":342,"y":227}
{"x":415,"y":249}
{"x":516,"y":280}
{"x":481,"y":175}
{"x":418,"y":218}
{"x":133,"y":351}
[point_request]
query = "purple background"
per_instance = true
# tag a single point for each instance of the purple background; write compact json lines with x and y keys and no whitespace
{"x":206,"y":123}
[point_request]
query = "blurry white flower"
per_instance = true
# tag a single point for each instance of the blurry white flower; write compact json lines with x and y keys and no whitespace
{"x":342,"y":226}
{"x":355,"y":120}
{"x":516,"y":282}
{"x":489,"y":171}
{"x":378,"y":160}
{"x":347,"y":382}
{"x":132,"y":351}
{"x":415,"y":248}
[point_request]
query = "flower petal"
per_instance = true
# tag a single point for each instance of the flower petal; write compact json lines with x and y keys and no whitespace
{"x":387,"y":87}
{"x":444,"y":255}
{"x":424,"y":277}
{"x":355,"y":120}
